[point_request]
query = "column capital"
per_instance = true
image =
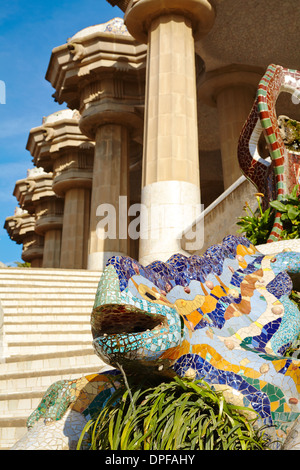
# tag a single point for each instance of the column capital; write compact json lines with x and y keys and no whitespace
{"x":59,"y":132}
{"x":73,"y":168}
{"x":102,"y":113}
{"x":21,"y":229}
{"x":35,"y":194}
{"x":140,"y":14}
{"x":19,"y":224}
{"x":48,"y":207}
{"x":101,"y":72}
{"x":235,"y":75}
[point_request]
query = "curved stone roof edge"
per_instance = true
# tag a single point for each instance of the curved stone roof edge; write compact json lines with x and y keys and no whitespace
{"x":122,"y":4}
{"x":114,"y":26}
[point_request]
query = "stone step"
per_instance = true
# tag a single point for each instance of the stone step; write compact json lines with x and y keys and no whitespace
{"x":41,"y":379}
{"x":45,"y":296}
{"x":27,"y":400}
{"x":16,"y":331}
{"x":11,"y":311}
{"x":41,"y":273}
{"x":54,"y":302}
{"x":31,"y":363}
{"x":16,"y":407}
{"x":7,"y":292}
{"x":44,"y":339}
{"x":47,"y":337}
{"x":35,"y":348}
{"x":17,"y":320}
{"x":19,"y":404}
{"x":12,"y":428}
{"x":43,"y":281}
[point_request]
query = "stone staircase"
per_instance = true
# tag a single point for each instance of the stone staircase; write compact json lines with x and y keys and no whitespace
{"x":45,"y":337}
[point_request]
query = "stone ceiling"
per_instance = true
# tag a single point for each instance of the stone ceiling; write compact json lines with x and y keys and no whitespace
{"x":248,"y":32}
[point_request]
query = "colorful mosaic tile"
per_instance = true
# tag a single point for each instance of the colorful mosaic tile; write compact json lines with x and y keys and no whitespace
{"x":225,"y":316}
{"x":276,"y":177}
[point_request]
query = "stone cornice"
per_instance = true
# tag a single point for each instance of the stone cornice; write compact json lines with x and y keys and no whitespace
{"x":235,"y":75}
{"x":83,"y":60}
{"x":122,"y":4}
{"x":23,"y":195}
{"x":73,"y":168}
{"x":46,"y":141}
{"x":19,"y":225}
{"x":140,"y":14}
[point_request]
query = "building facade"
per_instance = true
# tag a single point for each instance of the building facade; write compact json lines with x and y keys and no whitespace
{"x":155,"y":105}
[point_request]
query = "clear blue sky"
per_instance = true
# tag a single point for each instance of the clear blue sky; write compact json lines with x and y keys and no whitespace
{"x":29,"y":30}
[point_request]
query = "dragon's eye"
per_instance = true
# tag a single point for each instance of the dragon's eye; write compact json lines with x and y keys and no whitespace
{"x":147,"y":292}
{"x":150,"y":296}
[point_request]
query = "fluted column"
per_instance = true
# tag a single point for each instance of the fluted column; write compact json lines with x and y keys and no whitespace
{"x":170,"y":179}
{"x":110,"y":184}
{"x":52,"y":248}
{"x":73,"y":173}
{"x":75,"y":232}
{"x":232,"y":91}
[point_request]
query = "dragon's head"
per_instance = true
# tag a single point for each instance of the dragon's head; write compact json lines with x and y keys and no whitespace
{"x":133,"y":322}
{"x":142,"y":316}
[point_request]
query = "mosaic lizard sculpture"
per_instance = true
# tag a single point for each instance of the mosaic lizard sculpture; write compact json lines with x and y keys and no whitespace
{"x":225,"y":316}
{"x":276,"y":176}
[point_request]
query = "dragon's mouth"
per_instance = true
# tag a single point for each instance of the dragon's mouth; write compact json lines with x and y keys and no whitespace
{"x":115,"y":320}
{"x":125,"y":335}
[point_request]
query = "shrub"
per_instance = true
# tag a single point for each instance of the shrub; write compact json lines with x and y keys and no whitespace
{"x":257,"y":226}
{"x":174,"y":415}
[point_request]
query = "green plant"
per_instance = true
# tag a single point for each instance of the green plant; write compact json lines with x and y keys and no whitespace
{"x":256,"y":226}
{"x":20,"y":264}
{"x":175,"y":415}
{"x":289,"y":207}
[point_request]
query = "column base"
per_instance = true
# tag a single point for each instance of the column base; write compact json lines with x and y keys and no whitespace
{"x":167,"y":209}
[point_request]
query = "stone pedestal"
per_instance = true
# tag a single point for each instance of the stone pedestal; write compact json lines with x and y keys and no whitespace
{"x":170,"y":177}
{"x":232,"y":90}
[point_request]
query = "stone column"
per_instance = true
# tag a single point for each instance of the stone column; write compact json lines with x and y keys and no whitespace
{"x":232,"y":90}
{"x":35,"y":195}
{"x":170,"y":180}
{"x":101,"y":72}
{"x":73,"y":173}
{"x":52,"y":248}
{"x":75,"y":233}
{"x":20,"y":228}
{"x":49,"y":218}
{"x":110,"y":182}
{"x":60,"y":147}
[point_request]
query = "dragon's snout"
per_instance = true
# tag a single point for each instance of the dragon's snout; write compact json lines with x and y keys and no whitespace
{"x":112,"y":320}
{"x":126,"y":335}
